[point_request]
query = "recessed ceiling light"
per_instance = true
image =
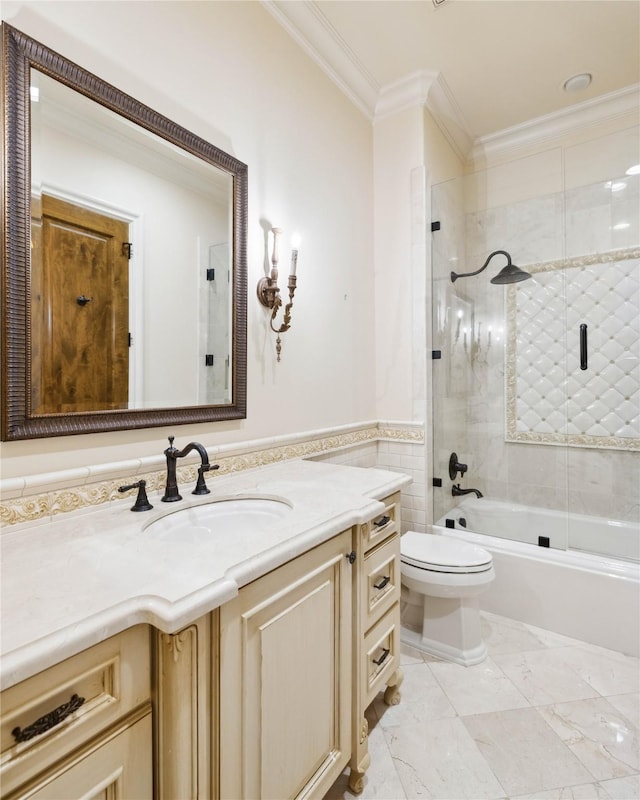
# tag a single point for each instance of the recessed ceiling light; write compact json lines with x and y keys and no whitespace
{"x":577,"y":82}
{"x":634,"y":170}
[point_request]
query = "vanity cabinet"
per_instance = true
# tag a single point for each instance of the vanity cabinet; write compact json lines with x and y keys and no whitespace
{"x":285,"y":678}
{"x":264,"y":697}
{"x":82,"y":728}
{"x":376,"y":658}
{"x":186,"y":683}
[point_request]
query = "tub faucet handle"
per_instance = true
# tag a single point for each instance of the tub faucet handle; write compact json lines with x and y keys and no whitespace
{"x":456,"y":467}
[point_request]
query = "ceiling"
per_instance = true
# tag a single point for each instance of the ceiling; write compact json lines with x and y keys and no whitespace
{"x":497,"y":63}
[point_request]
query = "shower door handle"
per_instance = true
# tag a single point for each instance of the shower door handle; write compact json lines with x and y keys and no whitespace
{"x":583,"y":347}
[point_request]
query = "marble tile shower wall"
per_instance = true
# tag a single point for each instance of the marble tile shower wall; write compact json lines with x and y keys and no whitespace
{"x":582,"y":220}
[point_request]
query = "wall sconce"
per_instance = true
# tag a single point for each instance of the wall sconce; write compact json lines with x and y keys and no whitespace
{"x":269,"y":292}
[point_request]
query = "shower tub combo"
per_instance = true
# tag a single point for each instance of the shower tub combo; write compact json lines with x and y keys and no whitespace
{"x":589,"y":592}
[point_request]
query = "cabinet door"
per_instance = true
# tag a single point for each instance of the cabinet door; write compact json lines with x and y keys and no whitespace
{"x":118,"y":769}
{"x":285,"y":681}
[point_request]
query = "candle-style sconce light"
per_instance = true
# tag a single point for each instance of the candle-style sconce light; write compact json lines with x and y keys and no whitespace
{"x":269,"y":292}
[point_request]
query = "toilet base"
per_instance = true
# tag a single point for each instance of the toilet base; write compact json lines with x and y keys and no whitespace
{"x":447,"y":628}
{"x":467,"y":658}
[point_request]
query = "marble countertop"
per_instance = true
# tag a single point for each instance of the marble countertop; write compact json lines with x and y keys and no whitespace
{"x":71,"y":582}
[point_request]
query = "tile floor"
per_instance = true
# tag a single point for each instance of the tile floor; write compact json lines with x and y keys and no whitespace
{"x":544,"y":717}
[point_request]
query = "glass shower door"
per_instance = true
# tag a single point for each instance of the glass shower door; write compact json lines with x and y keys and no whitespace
{"x":500,"y":381}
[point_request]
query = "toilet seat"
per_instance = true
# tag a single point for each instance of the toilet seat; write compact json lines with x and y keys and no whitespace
{"x":433,"y":553}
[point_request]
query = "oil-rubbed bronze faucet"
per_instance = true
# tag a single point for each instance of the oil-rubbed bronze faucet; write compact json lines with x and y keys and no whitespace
{"x":172,"y":453}
{"x":456,"y":491}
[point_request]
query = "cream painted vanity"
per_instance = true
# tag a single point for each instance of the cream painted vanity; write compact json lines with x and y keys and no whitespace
{"x":251,"y":685}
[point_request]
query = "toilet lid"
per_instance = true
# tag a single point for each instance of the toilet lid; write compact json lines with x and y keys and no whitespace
{"x":442,"y":554}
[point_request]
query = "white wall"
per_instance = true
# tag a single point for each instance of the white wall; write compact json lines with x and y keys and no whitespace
{"x":228,"y":72}
{"x":409,"y":151}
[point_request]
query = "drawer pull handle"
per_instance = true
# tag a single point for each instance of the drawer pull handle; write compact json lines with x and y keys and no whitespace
{"x":385,"y":653}
{"x":382,"y":583}
{"x":48,"y":721}
{"x":380,"y":523}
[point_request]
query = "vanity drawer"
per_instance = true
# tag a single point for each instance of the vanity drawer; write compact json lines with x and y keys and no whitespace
{"x":60,"y":708}
{"x":382,"y":526}
{"x":380,"y":655}
{"x":380,"y":584}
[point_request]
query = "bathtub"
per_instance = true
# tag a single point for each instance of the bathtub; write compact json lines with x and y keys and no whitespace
{"x":590,"y":596}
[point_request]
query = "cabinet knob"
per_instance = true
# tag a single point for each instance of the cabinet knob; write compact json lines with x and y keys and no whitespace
{"x":351,"y":557}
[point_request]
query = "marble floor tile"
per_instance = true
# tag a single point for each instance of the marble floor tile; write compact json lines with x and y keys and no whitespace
{"x":427,"y":700}
{"x":525,"y":754}
{"x":553,"y":639}
{"x":478,"y":689}
{"x":607,"y":671}
{"x":409,"y":655}
{"x":604,"y":740}
{"x":623,"y":788}
{"x":628,"y":705}
{"x":498,"y":747}
{"x":544,"y":677}
{"x":381,"y":781}
{"x":586,"y":791}
{"x":439,"y":760}
{"x":507,"y":636}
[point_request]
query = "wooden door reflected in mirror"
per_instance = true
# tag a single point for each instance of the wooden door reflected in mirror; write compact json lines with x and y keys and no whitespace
{"x":79,"y":309}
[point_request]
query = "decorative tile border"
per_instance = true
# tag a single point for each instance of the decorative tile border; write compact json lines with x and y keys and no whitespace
{"x":241,"y":456}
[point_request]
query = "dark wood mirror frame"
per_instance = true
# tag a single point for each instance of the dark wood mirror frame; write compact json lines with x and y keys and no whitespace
{"x":20,"y":54}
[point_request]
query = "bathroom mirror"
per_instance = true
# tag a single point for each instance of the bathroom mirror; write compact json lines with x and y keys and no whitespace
{"x":124,"y":275}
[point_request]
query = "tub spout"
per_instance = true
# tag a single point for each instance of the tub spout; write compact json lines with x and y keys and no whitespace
{"x":456,"y":491}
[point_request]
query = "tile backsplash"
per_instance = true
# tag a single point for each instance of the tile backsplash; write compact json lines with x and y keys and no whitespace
{"x":397,"y":446}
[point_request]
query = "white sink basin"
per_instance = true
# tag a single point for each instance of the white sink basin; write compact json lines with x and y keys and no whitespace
{"x":221,"y":517}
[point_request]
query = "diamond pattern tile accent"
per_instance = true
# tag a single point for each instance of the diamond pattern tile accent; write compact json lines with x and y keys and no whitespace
{"x":549,"y":398}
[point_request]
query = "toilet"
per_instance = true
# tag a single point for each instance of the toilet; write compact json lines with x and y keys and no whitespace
{"x":441,"y":581}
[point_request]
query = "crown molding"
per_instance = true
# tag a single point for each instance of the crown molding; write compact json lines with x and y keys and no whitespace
{"x":546,"y":129}
{"x":308,"y":26}
{"x":427,"y":89}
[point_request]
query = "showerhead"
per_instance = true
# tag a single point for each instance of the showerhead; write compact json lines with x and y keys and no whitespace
{"x":508,"y":274}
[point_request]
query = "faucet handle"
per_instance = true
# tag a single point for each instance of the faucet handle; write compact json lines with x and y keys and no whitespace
{"x":142,"y":503}
{"x":201,"y":486}
{"x":455,"y":467}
